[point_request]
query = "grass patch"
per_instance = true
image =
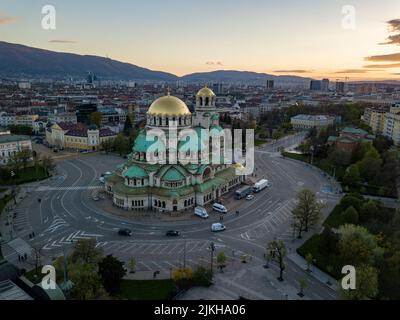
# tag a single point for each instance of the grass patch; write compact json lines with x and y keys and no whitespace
{"x":4,"y":201}
{"x":335,"y":219}
{"x":259,"y":142}
{"x":147,"y":289}
{"x":26,"y":176}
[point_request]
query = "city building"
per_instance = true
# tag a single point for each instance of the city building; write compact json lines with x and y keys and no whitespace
{"x":270,"y":84}
{"x":84,"y":111}
{"x":7,"y":120}
{"x":315,"y":85}
{"x":27,"y":120}
{"x":306,"y":122}
{"x":10,"y":144}
{"x":77,"y":136}
{"x":171,"y":187}
{"x":325,"y":85}
{"x":340,"y":87}
{"x":68,"y":117}
{"x":384,"y":121}
{"x":350,"y":138}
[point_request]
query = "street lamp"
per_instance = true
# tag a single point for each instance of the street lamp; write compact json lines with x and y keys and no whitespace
{"x":212,"y":249}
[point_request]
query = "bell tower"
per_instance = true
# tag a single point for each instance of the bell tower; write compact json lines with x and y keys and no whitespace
{"x":205,"y":108}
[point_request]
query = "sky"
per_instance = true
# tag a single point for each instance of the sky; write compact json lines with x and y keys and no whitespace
{"x":312,"y":38}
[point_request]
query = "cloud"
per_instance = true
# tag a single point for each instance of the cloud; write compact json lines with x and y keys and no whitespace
{"x":394,"y":57}
{"x":7,"y":20}
{"x":293,"y":71}
{"x":394,"y":27}
{"x":352,"y":71}
{"x":383,"y":66}
{"x":62,"y":41}
{"x":214,"y":63}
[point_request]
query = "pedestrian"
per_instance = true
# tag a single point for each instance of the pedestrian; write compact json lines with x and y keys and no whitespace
{"x":19,"y":258}
{"x":25,"y":256}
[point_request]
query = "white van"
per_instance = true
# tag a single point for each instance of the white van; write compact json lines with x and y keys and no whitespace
{"x":201,"y":212}
{"x":219,"y":208}
{"x":216,"y":227}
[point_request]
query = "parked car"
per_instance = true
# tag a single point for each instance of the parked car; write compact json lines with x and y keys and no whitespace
{"x":217,"y":227}
{"x":201,"y":212}
{"x":250,"y":197}
{"x":125,"y":232}
{"x":219,"y":208}
{"x":172,"y":233}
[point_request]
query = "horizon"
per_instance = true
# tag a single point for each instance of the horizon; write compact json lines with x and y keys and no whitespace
{"x":261,"y":42}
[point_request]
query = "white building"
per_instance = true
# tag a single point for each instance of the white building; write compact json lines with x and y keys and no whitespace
{"x":10,"y":144}
{"x":7,"y":120}
{"x":306,"y":122}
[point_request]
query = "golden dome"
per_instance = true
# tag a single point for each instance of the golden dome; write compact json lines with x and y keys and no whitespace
{"x":206,"y":92}
{"x":169,"y":106}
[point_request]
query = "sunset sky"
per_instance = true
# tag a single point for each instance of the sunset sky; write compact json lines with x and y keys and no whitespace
{"x":183,"y":36}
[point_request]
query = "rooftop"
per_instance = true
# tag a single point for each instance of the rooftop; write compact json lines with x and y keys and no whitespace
{"x":13,"y":138}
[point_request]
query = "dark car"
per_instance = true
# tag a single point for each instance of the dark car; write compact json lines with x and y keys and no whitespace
{"x":172,"y":233}
{"x":125,"y":232}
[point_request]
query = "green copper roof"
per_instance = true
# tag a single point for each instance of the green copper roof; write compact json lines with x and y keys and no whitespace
{"x":173,"y":175}
{"x":142,"y":144}
{"x":215,"y":117}
{"x":135,"y":172}
{"x":354,"y":131}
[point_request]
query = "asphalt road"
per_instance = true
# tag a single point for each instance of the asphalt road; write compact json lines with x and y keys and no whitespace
{"x":67,"y":213}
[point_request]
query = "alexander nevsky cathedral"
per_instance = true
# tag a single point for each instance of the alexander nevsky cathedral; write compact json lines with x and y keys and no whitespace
{"x":171,"y":186}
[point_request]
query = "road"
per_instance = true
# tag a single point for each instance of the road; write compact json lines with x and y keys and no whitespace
{"x":67,"y":213}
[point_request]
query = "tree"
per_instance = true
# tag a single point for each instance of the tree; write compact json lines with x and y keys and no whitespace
{"x":369,"y":168}
{"x":95,"y":118}
{"x":132,"y":265}
{"x":366,"y":284}
{"x":221,"y":261}
{"x":107,"y":145}
{"x":351,"y":201}
{"x":15,"y":162}
{"x":111,"y":272}
{"x":309,"y":260}
{"x":202,"y":276}
{"x":303,"y":286}
{"x":307,"y":212}
{"x":121,"y":145}
{"x":87,"y":282}
{"x":277,"y":251}
{"x":25,"y":156}
{"x":369,"y":211}
{"x":183,"y":277}
{"x":36,"y":159}
{"x":352,"y":176}
{"x":357,"y":246}
{"x":85,"y":251}
{"x":350,"y":216}
{"x":127,"y":127}
{"x":48,"y":164}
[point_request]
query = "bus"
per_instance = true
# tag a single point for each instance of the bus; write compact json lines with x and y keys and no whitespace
{"x":243,"y":192}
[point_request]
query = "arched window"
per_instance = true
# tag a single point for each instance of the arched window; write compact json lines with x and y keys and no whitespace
{"x":207,"y":101}
{"x":201,"y":101}
{"x":163,"y":204}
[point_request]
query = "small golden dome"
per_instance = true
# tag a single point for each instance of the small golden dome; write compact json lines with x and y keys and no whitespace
{"x":169,"y":106}
{"x":206,"y":93}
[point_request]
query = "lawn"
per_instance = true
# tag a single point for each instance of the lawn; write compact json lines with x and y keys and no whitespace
{"x":26,"y":176}
{"x":3,"y":202}
{"x":147,"y":289}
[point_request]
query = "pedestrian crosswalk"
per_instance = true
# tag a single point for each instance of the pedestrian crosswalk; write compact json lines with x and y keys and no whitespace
{"x":271,"y":223}
{"x":21,"y":224}
{"x":69,"y":239}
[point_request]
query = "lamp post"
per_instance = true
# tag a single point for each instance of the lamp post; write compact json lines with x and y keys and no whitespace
{"x":212,"y":248}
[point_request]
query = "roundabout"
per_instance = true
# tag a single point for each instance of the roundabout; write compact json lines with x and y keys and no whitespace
{"x":67,"y":213}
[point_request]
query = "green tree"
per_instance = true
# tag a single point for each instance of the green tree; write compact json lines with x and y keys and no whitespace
{"x":202,"y":276}
{"x":127,"y":127}
{"x":25,"y":156}
{"x":87,"y":282}
{"x":221,"y":261}
{"x":302,"y":285}
{"x":121,"y":145}
{"x":277,"y":251}
{"x":95,"y":118}
{"x":369,"y":211}
{"x":350,"y":216}
{"x":111,"y":272}
{"x":132,"y":265}
{"x":366,"y":284}
{"x":351,"y":201}
{"x":47,"y":164}
{"x":369,"y":168}
{"x":307,"y":212}
{"x":107,"y":145}
{"x":357,"y":246}
{"x":309,"y":261}
{"x":352,"y":176}
{"x":85,"y":252}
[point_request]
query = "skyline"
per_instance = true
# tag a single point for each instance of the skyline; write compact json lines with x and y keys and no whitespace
{"x":261,"y":36}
